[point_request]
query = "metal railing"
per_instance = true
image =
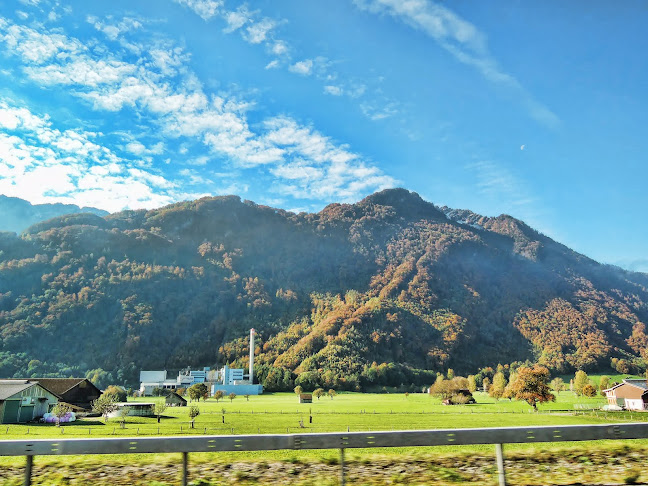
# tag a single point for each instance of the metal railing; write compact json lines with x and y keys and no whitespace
{"x":331,"y":440}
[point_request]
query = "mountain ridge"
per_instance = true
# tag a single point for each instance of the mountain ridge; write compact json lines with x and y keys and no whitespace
{"x":387,"y":291}
{"x":19,"y":214}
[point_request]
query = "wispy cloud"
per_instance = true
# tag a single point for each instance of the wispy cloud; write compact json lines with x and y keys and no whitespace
{"x":259,"y":30}
{"x":500,"y":185}
{"x":318,"y":167}
{"x":159,"y":88}
{"x":236,"y":19}
{"x":461,"y":39}
{"x":114,"y":29}
{"x":375,"y":111}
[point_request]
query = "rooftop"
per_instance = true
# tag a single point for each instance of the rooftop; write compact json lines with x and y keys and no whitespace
{"x":9,"y":388}
{"x":638,"y":382}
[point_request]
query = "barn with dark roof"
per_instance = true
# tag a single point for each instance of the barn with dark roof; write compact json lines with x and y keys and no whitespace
{"x":77,"y":392}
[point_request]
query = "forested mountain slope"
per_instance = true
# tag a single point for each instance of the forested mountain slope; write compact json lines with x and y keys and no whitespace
{"x":18,"y":214}
{"x":382,"y":292}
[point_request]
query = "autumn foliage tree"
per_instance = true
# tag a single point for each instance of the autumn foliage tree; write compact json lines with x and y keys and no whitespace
{"x":604,"y":384}
{"x":580,"y":381}
{"x":531,"y":386}
{"x":499,"y":385}
{"x":558,"y":385}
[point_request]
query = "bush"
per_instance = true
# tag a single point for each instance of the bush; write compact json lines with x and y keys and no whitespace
{"x":460,"y":399}
{"x":117,"y":392}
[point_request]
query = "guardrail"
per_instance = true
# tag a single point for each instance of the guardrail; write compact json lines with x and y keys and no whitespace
{"x":331,"y":440}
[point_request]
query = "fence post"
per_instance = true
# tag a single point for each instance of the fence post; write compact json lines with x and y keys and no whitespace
{"x":500,"y":465}
{"x":342,"y":472}
{"x":185,"y":467}
{"x":28,"y":470}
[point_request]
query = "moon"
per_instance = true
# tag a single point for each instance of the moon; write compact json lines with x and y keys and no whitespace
{"x":522,"y":147}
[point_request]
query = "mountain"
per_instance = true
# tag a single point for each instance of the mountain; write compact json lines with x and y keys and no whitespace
{"x":18,"y":214}
{"x":384,"y":292}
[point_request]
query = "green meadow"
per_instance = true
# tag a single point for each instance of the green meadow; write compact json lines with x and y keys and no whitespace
{"x":281,"y":413}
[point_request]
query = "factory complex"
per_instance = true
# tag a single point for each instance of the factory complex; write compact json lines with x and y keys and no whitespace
{"x":228,"y":380}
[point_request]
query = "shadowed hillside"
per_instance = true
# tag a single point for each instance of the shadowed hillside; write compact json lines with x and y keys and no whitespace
{"x":384,"y":292}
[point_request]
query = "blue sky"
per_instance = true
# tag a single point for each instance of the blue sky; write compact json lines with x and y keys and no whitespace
{"x":535,"y":110}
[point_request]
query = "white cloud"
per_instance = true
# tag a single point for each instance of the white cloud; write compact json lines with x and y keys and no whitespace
{"x":114,"y":29}
{"x":136,"y":148}
{"x":236,"y":19}
{"x":82,"y":70}
{"x":42,"y":164}
{"x":304,"y":162}
{"x":305,"y":67}
{"x":333,"y":90}
{"x":320,"y":169}
{"x":39,"y":48}
{"x":193,"y":178}
{"x":461,"y":39}
{"x":259,"y":31}
{"x":376,"y":112}
{"x":272,"y":64}
{"x":279,"y":48}
{"x":206,"y":9}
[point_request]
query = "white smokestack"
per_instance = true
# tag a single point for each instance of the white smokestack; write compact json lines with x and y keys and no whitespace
{"x":251,"y":356}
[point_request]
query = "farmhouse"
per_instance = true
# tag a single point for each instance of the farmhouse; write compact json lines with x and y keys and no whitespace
{"x":630,"y":394}
{"x":23,"y":400}
{"x":79,"y":393}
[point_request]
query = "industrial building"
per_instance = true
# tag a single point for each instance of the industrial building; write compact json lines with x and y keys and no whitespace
{"x":150,"y":380}
{"x":228,"y":380}
{"x":233,"y":380}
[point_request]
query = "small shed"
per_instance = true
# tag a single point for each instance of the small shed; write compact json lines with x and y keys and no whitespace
{"x":175,"y":400}
{"x":23,"y":401}
{"x":135,"y":409}
{"x":461,"y":396}
{"x":305,"y":398}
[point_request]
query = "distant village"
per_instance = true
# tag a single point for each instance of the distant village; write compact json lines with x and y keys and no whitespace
{"x":26,"y":400}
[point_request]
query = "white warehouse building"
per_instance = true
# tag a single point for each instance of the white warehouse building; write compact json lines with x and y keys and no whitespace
{"x":228,"y":380}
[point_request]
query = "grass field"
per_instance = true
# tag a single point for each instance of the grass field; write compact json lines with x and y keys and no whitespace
{"x":281,"y":413}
